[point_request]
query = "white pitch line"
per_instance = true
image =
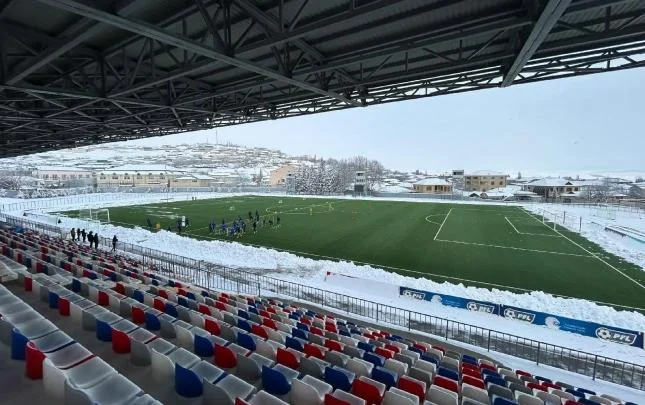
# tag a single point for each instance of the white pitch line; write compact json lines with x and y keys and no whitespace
{"x":441,"y":226}
{"x":591,"y":253}
{"x":511,"y":247}
{"x":509,"y":221}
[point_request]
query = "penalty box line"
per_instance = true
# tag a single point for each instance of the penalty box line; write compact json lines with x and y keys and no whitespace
{"x":530,"y":233}
{"x":511,"y":247}
{"x":586,"y":250}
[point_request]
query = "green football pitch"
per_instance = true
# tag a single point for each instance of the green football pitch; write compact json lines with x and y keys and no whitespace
{"x":490,"y":246}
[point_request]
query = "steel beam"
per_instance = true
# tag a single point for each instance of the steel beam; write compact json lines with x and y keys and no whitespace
{"x":185,"y":43}
{"x":550,"y":15}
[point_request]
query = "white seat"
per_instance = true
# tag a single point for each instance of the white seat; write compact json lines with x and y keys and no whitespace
{"x":396,"y":396}
{"x":562,"y":394}
{"x":450,"y":362}
{"x":526,"y":399}
{"x":548,"y":398}
{"x":427,"y":366}
{"x":441,"y":396}
{"x":197,"y":319}
{"x":599,"y":399}
{"x":163,"y":366}
{"x":347,"y":397}
{"x":114,"y":390}
{"x":264,"y":398}
{"x":85,"y":374}
{"x":267,"y":349}
{"x":308,"y":390}
{"x":467,"y":401}
{"x":226,"y":390}
{"x":359,"y":367}
{"x":477,"y":394}
{"x":185,"y":338}
{"x":397,"y":366}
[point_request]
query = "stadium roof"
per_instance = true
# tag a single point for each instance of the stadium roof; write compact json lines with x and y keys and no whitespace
{"x":78,"y":72}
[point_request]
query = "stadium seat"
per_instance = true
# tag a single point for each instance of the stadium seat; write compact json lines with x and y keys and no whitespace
{"x":339,"y":378}
{"x":287,"y":358}
{"x":413,"y":386}
{"x":309,"y":390}
{"x":446,"y":383}
{"x":385,"y":376}
{"x":277,"y":380}
{"x":442,"y":396}
{"x":369,"y":390}
{"x":227,"y":390}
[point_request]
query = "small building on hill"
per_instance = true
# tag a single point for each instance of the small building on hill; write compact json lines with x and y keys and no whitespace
{"x":139,"y":176}
{"x":278,"y":177}
{"x":432,"y":185}
{"x":192,"y":180}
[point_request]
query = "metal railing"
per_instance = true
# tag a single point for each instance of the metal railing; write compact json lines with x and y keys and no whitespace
{"x":213,"y":276}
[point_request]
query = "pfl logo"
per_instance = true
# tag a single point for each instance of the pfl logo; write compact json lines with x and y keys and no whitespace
{"x":477,"y":307}
{"x":519,"y":315}
{"x":437,"y":299}
{"x":616,"y":336}
{"x":414,"y":294}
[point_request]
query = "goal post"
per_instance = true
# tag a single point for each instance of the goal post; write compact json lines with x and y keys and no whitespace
{"x":101,"y":215}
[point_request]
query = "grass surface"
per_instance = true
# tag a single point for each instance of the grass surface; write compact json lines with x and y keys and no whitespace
{"x":474,"y":244}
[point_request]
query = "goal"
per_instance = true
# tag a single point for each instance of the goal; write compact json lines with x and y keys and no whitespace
{"x":101,"y":215}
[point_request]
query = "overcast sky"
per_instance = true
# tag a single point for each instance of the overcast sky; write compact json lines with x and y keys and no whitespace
{"x":586,"y":123}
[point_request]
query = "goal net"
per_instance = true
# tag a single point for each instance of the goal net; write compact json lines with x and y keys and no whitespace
{"x":101,"y":215}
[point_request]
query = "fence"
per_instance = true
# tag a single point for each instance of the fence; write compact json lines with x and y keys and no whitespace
{"x":212,"y":276}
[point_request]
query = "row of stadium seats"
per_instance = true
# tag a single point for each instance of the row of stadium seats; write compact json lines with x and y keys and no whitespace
{"x":258,"y":350}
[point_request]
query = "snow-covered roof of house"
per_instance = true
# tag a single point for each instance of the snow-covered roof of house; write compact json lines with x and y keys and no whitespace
{"x":149,"y":168}
{"x":432,"y":181}
{"x":202,"y":176}
{"x":60,"y":169}
{"x":485,"y":173}
{"x":549,"y":182}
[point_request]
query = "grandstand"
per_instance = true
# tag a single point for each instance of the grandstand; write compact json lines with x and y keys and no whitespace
{"x":83,"y":326}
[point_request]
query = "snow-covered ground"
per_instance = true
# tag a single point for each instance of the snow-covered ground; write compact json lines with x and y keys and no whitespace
{"x":312,"y":272}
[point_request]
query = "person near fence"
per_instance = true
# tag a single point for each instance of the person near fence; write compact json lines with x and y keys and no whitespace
{"x":83,"y":235}
{"x":90,"y":237}
{"x":114,"y":241}
{"x":73,"y":233}
{"x":96,"y":240}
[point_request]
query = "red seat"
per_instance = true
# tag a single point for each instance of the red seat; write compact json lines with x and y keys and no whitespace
{"x":34,"y":361}
{"x":331,"y":400}
{"x":420,"y":347}
{"x":488,"y":367}
{"x":212,"y":327}
{"x":334,"y":345}
{"x":120,"y":341}
{"x":204,"y":309}
{"x":181,"y":291}
{"x":258,"y":330}
{"x":239,"y":401}
{"x":269,"y":323}
{"x":388,"y":354}
{"x":163,"y":294}
{"x":138,"y":316}
{"x":470,"y":367}
{"x":537,"y":387}
{"x":571,"y":402}
{"x":471,"y":373}
{"x":104,"y":299}
{"x":551,"y":385}
{"x":317,"y":331}
{"x":265,"y":313}
{"x":63,"y":306}
{"x":314,"y":351}
{"x":225,"y":357}
{"x":331,"y":327}
{"x":413,"y":386}
{"x":120,"y":288}
{"x":159,"y":304}
{"x":441,"y":349}
{"x":27,"y":284}
{"x":366,"y":391}
{"x":393,"y":348}
{"x":286,"y":358}
{"x":446,"y":383}
{"x":220,"y":306}
{"x":470,"y":380}
{"x":305,"y":321}
{"x":524,"y":373}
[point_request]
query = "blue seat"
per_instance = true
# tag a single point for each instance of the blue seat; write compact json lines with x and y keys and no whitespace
{"x":299,"y":333}
{"x":365,"y":346}
{"x":113,"y":276}
{"x":88,"y":266}
{"x":339,"y":378}
{"x":171,"y":309}
{"x":205,"y":293}
{"x":294,"y":343}
{"x":187,"y":383}
{"x":469,"y":359}
{"x":152,"y":322}
{"x":311,"y":313}
{"x":445,"y":372}
{"x":486,"y":372}
{"x":294,"y":316}
{"x":586,"y":401}
{"x":274,"y":382}
{"x":171,"y":283}
{"x":203,"y":346}
{"x":497,"y":400}
{"x":253,"y":310}
{"x":138,"y":295}
{"x":430,"y":359}
{"x":190,"y":296}
{"x":374,"y":359}
{"x":246,"y":341}
{"x":244,"y":325}
{"x":103,"y":331}
{"x":395,"y":338}
{"x":344,"y":332}
{"x":243,"y":314}
{"x":302,"y":326}
{"x":574,"y":393}
{"x":155,"y":282}
{"x":537,"y":377}
{"x":585,"y":391}
{"x":385,"y":376}
{"x":53,"y":300}
{"x":416,"y":350}
{"x":76,"y":285}
{"x":92,"y":275}
{"x":182,"y":301}
{"x":18,"y":344}
{"x":491,"y":379}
